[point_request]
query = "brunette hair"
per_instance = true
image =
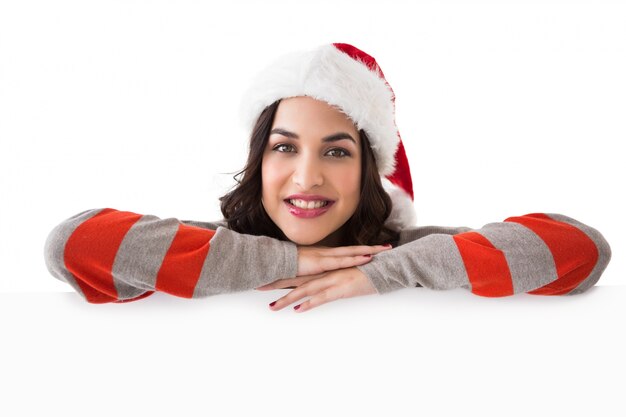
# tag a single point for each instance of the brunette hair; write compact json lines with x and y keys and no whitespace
{"x":243,"y":211}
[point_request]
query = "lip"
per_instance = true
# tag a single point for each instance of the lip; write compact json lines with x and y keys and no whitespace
{"x":308,"y":213}
{"x":309,"y":197}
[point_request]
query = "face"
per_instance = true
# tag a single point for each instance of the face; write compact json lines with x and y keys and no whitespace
{"x":301,"y":158}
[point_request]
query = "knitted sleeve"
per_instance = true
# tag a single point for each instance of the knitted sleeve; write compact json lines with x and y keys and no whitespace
{"x":541,"y":254}
{"x":108,"y":255}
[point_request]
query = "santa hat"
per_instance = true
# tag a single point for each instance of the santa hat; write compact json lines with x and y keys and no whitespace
{"x":346,"y":77}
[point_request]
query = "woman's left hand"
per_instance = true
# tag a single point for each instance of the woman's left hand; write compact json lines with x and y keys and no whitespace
{"x":322,"y":288}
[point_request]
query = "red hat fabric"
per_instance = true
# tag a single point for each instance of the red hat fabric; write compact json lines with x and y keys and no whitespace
{"x":344,"y":76}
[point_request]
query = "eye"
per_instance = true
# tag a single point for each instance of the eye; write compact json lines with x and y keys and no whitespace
{"x":345,"y":153}
{"x":280,"y":145}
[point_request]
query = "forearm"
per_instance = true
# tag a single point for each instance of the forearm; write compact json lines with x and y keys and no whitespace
{"x":536,"y":253}
{"x":108,"y":255}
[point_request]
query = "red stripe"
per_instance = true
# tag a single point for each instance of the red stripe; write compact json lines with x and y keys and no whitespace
{"x":139,"y":297}
{"x":90,"y":252}
{"x":486,"y":266}
{"x":183,"y":262}
{"x":575,"y":255}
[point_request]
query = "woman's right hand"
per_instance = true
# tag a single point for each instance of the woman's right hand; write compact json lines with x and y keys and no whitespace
{"x":315,"y":259}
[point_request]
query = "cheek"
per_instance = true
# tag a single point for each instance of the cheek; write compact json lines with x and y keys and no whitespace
{"x":352,"y":177}
{"x":271,"y":177}
{"x":353,"y":181}
{"x":348,"y":183}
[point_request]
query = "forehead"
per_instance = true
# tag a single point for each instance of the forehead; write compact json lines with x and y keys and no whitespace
{"x":308,"y":112}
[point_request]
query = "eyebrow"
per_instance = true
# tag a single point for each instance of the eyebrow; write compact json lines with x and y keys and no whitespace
{"x":330,"y":138}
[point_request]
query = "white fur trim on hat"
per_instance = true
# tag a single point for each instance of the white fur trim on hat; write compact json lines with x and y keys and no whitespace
{"x":403,"y":213}
{"x":328,"y":74}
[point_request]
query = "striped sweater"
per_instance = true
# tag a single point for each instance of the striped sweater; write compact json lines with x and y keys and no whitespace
{"x":108,"y":255}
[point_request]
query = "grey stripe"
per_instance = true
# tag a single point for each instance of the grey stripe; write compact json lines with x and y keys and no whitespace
{"x":604,"y":251}
{"x":54,"y":247}
{"x":206,"y":225}
{"x":140,"y":255}
{"x":433,"y":261}
{"x":240,"y":262}
{"x":529,"y":259}
{"x":417,"y":232}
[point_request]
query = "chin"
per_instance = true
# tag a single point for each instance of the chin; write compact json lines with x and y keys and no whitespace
{"x":304,"y":239}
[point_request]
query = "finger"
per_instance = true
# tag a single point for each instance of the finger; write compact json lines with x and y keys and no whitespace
{"x":331,"y":293}
{"x":279,"y":284}
{"x":289,"y":282}
{"x":311,"y":288}
{"x":269,"y":286}
{"x":355,"y":250}
{"x":331,"y":264}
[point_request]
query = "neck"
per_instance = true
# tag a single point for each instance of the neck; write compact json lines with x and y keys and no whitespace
{"x":334,"y":239}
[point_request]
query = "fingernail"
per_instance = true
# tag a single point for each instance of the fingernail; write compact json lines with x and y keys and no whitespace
{"x":368,"y":256}
{"x":388,"y":245}
{"x":297,"y":307}
{"x":272,"y":303}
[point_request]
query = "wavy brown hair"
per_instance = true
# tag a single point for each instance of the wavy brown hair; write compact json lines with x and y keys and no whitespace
{"x":243,"y":211}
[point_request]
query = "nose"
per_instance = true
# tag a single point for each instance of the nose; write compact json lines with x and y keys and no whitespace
{"x":308,"y":172}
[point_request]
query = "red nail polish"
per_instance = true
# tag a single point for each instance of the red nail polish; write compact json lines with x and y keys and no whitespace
{"x":388,"y":245}
{"x":272,"y":303}
{"x":297,"y":307}
{"x":368,"y":256}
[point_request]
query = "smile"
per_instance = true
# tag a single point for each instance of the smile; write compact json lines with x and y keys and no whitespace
{"x":308,"y":204}
{"x":307,"y":213}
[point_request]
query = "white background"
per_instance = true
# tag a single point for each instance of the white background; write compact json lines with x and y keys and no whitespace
{"x":504,"y":107}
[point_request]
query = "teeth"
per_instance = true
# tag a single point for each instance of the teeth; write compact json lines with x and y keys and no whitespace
{"x":308,"y":204}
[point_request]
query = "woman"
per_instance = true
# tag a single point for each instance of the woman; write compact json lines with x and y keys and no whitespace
{"x":326,"y":184}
